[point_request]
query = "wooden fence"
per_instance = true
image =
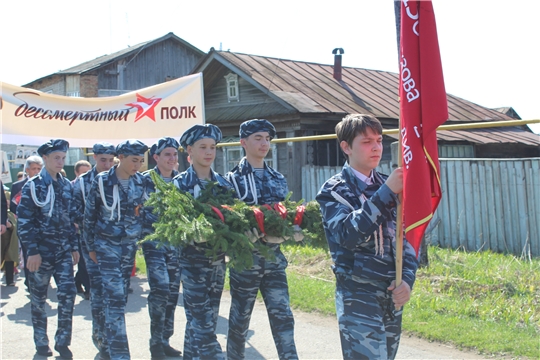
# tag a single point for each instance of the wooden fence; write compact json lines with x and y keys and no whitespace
{"x":487,"y":203}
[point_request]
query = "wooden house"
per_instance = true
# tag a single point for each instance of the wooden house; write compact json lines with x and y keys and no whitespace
{"x":133,"y":68}
{"x":304,"y":99}
{"x":136,"y":67}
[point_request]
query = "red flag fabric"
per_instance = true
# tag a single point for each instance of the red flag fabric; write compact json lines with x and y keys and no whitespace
{"x":423,"y":107}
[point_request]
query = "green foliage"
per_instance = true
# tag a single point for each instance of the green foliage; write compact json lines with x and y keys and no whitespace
{"x":493,"y":299}
{"x":184,"y":220}
{"x":140,"y":263}
{"x":480,"y":300}
{"x":313,"y":227}
{"x":218,"y":222}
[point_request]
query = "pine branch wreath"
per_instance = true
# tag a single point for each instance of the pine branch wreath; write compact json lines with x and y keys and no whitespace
{"x":217,"y":222}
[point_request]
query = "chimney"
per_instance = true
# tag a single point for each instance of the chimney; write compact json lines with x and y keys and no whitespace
{"x":337,"y":63}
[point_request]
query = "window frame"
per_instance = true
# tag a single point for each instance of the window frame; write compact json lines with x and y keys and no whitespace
{"x":232,"y":85}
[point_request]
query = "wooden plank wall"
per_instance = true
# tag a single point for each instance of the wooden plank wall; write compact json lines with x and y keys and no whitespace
{"x":489,"y":204}
{"x":486,"y":204}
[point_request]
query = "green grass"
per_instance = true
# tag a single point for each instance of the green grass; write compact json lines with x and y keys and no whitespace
{"x":140,"y":264}
{"x":482,"y":301}
{"x":486,"y":301}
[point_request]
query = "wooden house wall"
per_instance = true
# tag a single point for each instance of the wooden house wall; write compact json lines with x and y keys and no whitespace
{"x":218,"y":162}
{"x":506,"y":151}
{"x":253,"y":103}
{"x":150,"y":66}
{"x":55,"y":83}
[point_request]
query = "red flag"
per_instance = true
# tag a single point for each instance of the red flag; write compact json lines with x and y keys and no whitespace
{"x":423,"y":109}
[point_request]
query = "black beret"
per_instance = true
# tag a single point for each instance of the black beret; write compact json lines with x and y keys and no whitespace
{"x":131,"y":147}
{"x":257,"y":125}
{"x":104,"y":148}
{"x":162,"y":144}
{"x":198,"y":132}
{"x":52,"y":146}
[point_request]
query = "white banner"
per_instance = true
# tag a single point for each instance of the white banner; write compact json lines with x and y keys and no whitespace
{"x":31,"y":117}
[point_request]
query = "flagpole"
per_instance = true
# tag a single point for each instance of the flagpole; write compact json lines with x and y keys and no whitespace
{"x":399,"y":219}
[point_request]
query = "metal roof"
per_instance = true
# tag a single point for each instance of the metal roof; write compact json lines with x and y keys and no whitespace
{"x":311,"y":87}
{"x":106,"y":59}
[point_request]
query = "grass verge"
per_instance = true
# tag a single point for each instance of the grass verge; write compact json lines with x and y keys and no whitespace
{"x":140,"y":263}
{"x":483,"y":301}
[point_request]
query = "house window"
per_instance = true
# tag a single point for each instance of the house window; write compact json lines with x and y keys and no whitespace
{"x":232,"y":87}
{"x":233,"y":154}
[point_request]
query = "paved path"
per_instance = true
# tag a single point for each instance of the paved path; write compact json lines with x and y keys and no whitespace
{"x":316,"y":336}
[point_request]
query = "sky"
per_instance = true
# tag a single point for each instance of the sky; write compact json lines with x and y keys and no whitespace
{"x":490,"y":49}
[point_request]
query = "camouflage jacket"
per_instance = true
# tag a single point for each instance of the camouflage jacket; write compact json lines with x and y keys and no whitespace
{"x":81,"y":188}
{"x":270,"y":188}
{"x":44,"y":223}
{"x":115,"y":220}
{"x":359,"y":222}
{"x":188,"y":181}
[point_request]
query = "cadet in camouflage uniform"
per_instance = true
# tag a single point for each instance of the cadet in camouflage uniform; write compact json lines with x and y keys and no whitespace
{"x":114,"y":220}
{"x":202,"y":277}
{"x":162,"y":266}
{"x":104,"y":154}
{"x":257,"y":183}
{"x":358,"y":208}
{"x":46,"y":229}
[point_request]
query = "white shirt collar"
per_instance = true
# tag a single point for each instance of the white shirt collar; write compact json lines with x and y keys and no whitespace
{"x":367,"y":179}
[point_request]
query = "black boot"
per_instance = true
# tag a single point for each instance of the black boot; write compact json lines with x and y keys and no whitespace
{"x":64,"y":352}
{"x":171,"y":352}
{"x":157,"y":352}
{"x":44,"y":350}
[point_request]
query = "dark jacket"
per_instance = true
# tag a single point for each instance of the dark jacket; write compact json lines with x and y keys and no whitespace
{"x":16,"y":189}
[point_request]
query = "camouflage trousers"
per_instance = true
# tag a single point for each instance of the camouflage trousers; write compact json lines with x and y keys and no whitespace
{"x":115,"y":260}
{"x":163,"y":272}
{"x":59,"y":264}
{"x":271,"y":280}
{"x":369,"y":324}
{"x":202,"y":285}
{"x":96,"y":300}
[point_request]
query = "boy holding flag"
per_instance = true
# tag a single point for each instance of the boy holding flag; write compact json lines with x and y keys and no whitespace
{"x":358,"y":207}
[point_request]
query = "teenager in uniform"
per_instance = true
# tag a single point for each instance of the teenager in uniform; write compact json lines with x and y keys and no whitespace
{"x":114,"y":219}
{"x":256,"y":183}
{"x":104,"y":154}
{"x":202,"y":276}
{"x":162,"y":266}
{"x":46,"y":230}
{"x":358,"y":208}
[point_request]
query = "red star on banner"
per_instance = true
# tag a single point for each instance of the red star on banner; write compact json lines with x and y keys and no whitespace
{"x":145,"y":107}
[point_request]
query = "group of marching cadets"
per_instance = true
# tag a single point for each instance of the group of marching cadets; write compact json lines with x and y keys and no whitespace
{"x":106,"y":206}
